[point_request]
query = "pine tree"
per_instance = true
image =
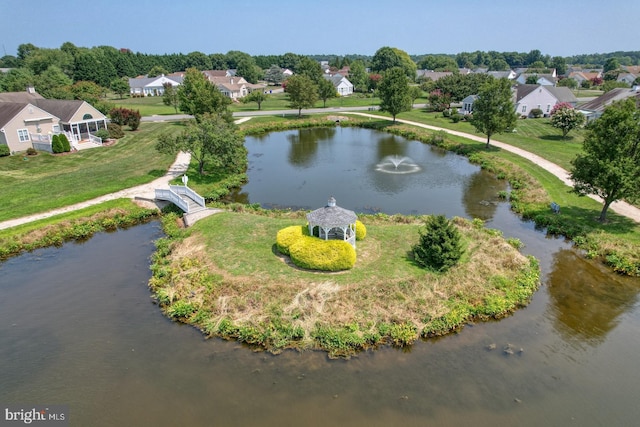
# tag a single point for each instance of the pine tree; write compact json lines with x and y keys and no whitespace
{"x":440,"y":247}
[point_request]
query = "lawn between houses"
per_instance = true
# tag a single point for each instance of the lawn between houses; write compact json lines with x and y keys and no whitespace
{"x":224,"y":276}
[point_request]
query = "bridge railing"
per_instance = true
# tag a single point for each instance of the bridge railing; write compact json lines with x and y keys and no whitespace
{"x":181,"y":189}
{"x":162,"y":194}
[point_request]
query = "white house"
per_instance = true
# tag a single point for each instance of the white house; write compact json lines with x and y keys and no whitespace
{"x":343,"y":86}
{"x":152,"y":86}
{"x":467,"y":104}
{"x":530,"y":97}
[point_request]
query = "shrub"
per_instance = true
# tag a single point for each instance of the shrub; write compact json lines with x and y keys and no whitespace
{"x":440,"y":247}
{"x":288,"y":236}
{"x":326,"y":255}
{"x":4,"y":150}
{"x":31,"y":151}
{"x":537,"y":113}
{"x":102,"y":134}
{"x":361,"y":230}
{"x":56,"y":144}
{"x":455,"y":118}
{"x":125,"y":116}
{"x":115,"y":131}
{"x":66,"y":146}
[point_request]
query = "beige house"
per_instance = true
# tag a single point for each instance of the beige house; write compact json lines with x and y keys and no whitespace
{"x":233,"y":87}
{"x":28,"y":120}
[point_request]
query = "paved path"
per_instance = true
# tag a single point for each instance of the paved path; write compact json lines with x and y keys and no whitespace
{"x":145,"y":191}
{"x":618,"y":207}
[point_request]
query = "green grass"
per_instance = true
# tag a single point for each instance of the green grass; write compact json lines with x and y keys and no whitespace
{"x":153,"y":105}
{"x":534,"y":135}
{"x":44,"y":182}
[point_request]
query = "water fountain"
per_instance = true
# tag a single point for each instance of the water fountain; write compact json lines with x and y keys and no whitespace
{"x":397,"y":165}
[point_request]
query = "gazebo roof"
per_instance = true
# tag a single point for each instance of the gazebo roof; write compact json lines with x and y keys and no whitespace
{"x":332,"y":216}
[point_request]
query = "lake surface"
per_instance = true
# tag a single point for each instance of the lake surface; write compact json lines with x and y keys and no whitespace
{"x":301,"y":169}
{"x":78,"y":327}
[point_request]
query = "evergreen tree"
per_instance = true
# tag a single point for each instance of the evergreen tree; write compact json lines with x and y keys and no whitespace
{"x":440,"y":246}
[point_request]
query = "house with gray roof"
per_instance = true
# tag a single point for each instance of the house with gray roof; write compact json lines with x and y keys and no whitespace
{"x":343,"y":86}
{"x":29,"y":120}
{"x":594,"y":108}
{"x":152,"y":86}
{"x":530,"y":97}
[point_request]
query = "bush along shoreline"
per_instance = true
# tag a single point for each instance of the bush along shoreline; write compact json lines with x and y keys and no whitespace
{"x":265,"y":302}
{"x":58,"y":231}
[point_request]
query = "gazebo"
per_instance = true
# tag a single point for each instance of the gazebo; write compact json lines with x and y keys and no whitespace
{"x":333,"y":222}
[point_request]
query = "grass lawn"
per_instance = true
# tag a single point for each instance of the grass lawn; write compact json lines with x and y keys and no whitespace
{"x":153,"y":105}
{"x":44,"y":182}
{"x":534,"y":135}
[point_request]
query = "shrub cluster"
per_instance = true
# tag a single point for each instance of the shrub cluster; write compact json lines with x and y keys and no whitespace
{"x":125,"y":116}
{"x":4,"y":150}
{"x":326,"y":255}
{"x":318,"y":254}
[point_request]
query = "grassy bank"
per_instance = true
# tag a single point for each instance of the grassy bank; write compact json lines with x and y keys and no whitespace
{"x":77,"y":225}
{"x":224,"y":276}
{"x":44,"y":182}
{"x":616,"y":242}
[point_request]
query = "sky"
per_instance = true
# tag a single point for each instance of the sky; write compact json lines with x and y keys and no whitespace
{"x":306,"y":27}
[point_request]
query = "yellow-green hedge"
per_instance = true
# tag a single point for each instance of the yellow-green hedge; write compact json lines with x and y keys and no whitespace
{"x":361,"y":230}
{"x":326,"y":255}
{"x":288,"y":236}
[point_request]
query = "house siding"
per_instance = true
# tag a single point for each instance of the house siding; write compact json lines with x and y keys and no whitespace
{"x":35,"y":129}
{"x":539,"y":98}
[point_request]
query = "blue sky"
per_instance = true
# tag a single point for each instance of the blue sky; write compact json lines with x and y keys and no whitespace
{"x":560,"y":27}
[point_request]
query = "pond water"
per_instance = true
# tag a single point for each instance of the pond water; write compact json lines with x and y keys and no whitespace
{"x":366,"y":171}
{"x":78,"y":327}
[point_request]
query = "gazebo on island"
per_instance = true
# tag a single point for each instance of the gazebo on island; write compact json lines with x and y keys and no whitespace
{"x":333,"y":222}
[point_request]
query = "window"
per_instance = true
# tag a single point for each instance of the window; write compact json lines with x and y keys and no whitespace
{"x":23,"y":135}
{"x":524,"y":108}
{"x":548,"y":107}
{"x":87,"y":116}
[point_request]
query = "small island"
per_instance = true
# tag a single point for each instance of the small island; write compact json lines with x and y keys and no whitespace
{"x":226,"y":276}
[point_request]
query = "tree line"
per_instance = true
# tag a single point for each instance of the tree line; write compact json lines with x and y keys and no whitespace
{"x":49,"y":68}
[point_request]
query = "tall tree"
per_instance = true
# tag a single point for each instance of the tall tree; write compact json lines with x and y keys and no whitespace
{"x":212,"y":142}
{"x":120,"y":86}
{"x":170,"y":96}
{"x":198,"y":96}
{"x":394,"y":92}
{"x":310,"y":68}
{"x":274,"y":75}
{"x":302,"y":91}
{"x":493,"y":111}
{"x":248,"y":69}
{"x":326,"y":90}
{"x":386,"y":58}
{"x":358,"y":75}
{"x":610,"y":165}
